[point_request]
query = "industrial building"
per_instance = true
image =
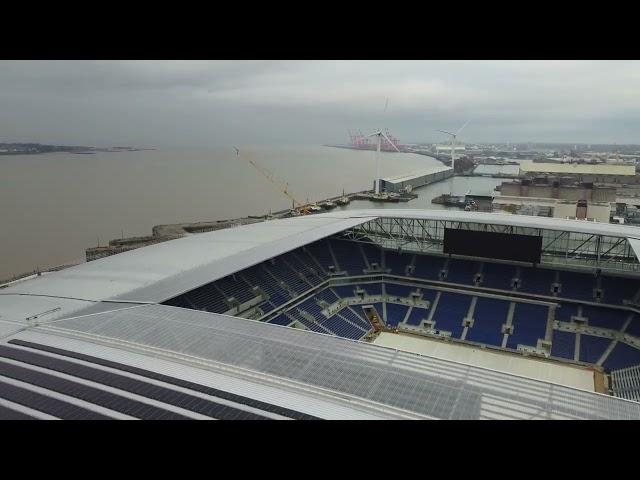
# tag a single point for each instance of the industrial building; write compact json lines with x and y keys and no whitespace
{"x":399,"y":183}
{"x":363,"y":314}
{"x":582,"y":172}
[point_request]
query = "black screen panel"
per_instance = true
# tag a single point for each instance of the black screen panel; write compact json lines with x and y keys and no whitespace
{"x":501,"y":246}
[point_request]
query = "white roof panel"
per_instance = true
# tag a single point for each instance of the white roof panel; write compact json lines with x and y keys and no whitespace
{"x":529,"y":166}
{"x":421,"y":173}
{"x":335,"y":369}
{"x":158,"y":272}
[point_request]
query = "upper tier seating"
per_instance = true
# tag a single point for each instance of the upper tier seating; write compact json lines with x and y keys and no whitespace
{"x":372,"y":253}
{"x":417,"y":315}
{"x":592,"y":348}
{"x":428,"y":267}
{"x":395,"y":313}
{"x":536,"y":280}
{"x":605,"y":317}
{"x":349,"y":256}
{"x":563,"y":344}
{"x":450,"y":312}
{"x":489,"y":316}
{"x":397,"y":262}
{"x":497,"y":275}
{"x":577,"y":285}
{"x":617,"y":289}
{"x":529,"y":324}
{"x":462,"y":271}
{"x":622,"y":356}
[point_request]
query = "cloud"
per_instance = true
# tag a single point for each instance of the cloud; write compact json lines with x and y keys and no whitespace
{"x":167,"y":103}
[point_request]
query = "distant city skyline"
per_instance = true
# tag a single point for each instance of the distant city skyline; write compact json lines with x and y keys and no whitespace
{"x":210,"y":103}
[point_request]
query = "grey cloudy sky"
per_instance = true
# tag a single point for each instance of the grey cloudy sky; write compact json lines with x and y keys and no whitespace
{"x":202,"y":103}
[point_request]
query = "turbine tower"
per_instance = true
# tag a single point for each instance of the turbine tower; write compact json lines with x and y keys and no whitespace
{"x":453,"y":144}
{"x":379,"y":134}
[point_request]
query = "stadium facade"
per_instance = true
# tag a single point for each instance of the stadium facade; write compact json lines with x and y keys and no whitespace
{"x":337,"y":315}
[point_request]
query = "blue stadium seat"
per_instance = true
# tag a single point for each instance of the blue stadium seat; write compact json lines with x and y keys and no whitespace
{"x":577,"y":285}
{"x":283,"y":272}
{"x":497,"y":275}
{"x":462,"y":271}
{"x":529,"y":324}
{"x":565,"y":311}
{"x":617,"y":289}
{"x":417,"y":315}
{"x":563,"y":344}
{"x":312,"y":275}
{"x":344,"y":290}
{"x":320,"y":251}
{"x":372,"y":253}
{"x":257,"y":276}
{"x":622,"y":355}
{"x":328,"y":296}
{"x":311,"y":306}
{"x":343,"y":329}
{"x":605,"y":317}
{"x":235,"y":288}
{"x":428,"y":267}
{"x":397,"y":262}
{"x":206,"y":298}
{"x":489,"y":316}
{"x":395,"y":313}
{"x":281,"y":319}
{"x":592,"y":348}
{"x":349,"y":257}
{"x":536,"y":280}
{"x":429,"y":295}
{"x":634,"y":326}
{"x":396,"y":290}
{"x":372,"y":288}
{"x":451,"y":310}
{"x":356,"y":318}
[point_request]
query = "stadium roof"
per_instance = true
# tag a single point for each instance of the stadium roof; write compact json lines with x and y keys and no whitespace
{"x":104,"y":316}
{"x":162,"y":271}
{"x":529,"y":166}
{"x":168,"y":362}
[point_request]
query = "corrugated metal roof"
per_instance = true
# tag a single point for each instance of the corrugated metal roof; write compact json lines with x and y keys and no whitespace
{"x":528,"y":166}
{"x":346,"y":372}
{"x":421,"y":173}
{"x":158,"y":272}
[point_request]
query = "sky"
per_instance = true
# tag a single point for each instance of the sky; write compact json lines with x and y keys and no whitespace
{"x":210,"y":103}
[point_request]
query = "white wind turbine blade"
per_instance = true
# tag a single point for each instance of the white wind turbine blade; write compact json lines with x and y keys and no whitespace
{"x":448,"y":133}
{"x":392,"y":144}
{"x":460,"y":129}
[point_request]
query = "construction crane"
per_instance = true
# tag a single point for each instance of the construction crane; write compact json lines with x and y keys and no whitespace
{"x":298,"y":206}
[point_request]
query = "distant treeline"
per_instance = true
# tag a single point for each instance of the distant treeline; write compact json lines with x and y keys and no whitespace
{"x":16,"y":148}
{"x":37,"y":147}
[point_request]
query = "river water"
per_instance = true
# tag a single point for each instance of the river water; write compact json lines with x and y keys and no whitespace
{"x":54,"y":206}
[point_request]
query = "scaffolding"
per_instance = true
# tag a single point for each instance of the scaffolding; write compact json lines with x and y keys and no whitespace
{"x":564,"y":248}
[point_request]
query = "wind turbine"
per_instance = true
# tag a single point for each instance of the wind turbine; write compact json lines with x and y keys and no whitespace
{"x":453,"y":143}
{"x":380,"y":134}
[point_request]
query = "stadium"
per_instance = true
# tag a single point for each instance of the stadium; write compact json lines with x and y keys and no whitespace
{"x":370,"y":314}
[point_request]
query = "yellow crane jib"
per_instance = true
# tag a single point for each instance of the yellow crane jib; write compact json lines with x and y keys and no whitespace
{"x":283,"y":187}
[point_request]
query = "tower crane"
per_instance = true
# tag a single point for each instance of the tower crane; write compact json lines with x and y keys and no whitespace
{"x":302,"y":208}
